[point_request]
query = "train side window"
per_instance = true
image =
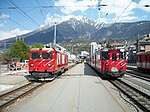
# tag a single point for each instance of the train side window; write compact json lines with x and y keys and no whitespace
{"x":140,"y":58}
{"x":122,"y":55}
{"x":146,"y":58}
{"x":35,"y":55}
{"x":114,"y":58}
{"x":46,"y":55}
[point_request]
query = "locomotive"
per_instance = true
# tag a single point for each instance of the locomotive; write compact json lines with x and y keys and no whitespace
{"x":143,"y":61}
{"x":109,"y":62}
{"x":46,"y":63}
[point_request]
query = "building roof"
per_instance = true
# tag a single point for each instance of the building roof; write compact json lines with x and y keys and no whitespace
{"x":116,"y":44}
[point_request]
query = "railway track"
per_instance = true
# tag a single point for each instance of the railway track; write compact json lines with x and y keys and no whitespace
{"x":137,"y":72}
{"x":133,"y":74}
{"x":141,"y":99}
{"x":12,"y":96}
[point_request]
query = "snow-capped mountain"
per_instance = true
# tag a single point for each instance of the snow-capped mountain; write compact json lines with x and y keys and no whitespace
{"x":84,"y":29}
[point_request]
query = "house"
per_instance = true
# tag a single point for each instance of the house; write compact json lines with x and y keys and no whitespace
{"x":143,"y":43}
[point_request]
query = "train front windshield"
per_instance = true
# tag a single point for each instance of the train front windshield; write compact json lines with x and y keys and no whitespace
{"x":105,"y":55}
{"x":44,"y":55}
{"x":35,"y":55}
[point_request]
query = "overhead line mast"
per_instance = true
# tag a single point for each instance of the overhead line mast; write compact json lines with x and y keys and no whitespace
{"x":99,"y":8}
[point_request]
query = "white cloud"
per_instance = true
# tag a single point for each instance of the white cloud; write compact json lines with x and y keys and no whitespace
{"x":144,"y":2}
{"x":112,"y":7}
{"x":118,"y":7}
{"x":12,"y":33}
{"x":58,"y":19}
{"x":125,"y":18}
{"x":73,"y":5}
{"x":3,"y":16}
{"x":1,"y":25}
{"x":50,"y":20}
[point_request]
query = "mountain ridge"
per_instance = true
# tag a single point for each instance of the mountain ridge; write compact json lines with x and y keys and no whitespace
{"x":84,"y":29}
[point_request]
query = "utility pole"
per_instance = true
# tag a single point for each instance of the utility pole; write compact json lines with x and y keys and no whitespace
{"x":23,"y":38}
{"x":55,"y":34}
{"x":4,"y":46}
{"x":16,"y":38}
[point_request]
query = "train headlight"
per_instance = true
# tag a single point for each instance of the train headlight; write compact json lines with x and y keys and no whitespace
{"x":114,"y":69}
{"x":121,"y":64}
{"x":49,"y":65}
{"x":31,"y":64}
{"x":106,"y":64}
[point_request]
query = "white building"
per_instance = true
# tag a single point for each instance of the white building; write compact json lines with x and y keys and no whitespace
{"x":94,"y":47}
{"x":84,"y":53}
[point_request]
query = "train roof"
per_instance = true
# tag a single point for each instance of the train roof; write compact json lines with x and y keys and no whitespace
{"x":41,"y":49}
{"x":47,"y":49}
{"x":140,"y":53}
{"x":105,"y":50}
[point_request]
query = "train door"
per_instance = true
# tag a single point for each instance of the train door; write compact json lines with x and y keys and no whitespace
{"x":58,"y":59}
{"x":63,"y":59}
{"x":115,"y":60}
{"x":147,"y":63}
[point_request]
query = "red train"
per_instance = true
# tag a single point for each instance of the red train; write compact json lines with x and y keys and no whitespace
{"x":46,"y":63}
{"x":110,"y":63}
{"x":143,"y":61}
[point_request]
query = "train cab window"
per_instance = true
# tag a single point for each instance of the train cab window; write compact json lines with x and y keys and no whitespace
{"x":46,"y":55}
{"x":105,"y":55}
{"x":35,"y":55}
{"x":114,"y":58}
{"x":122,"y":55}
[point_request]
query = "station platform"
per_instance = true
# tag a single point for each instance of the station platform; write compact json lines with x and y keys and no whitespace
{"x":77,"y":90}
{"x":11,"y":79}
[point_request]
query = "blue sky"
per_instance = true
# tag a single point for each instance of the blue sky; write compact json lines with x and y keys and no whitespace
{"x":18,"y":17}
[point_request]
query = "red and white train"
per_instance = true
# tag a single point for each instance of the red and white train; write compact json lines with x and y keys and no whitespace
{"x":143,"y":61}
{"x":46,"y":63}
{"x":110,"y":63}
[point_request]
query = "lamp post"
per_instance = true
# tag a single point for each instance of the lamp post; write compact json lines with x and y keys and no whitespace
{"x":71,"y":47}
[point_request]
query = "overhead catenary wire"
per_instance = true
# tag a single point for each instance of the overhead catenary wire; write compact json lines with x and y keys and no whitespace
{"x":52,"y":6}
{"x":111,"y":7}
{"x":123,"y":11}
{"x":24,"y":13}
{"x":40,"y":9}
{"x":121,"y":14}
{"x":33,"y":7}
{"x":14,"y":7}
{"x":17,"y":23}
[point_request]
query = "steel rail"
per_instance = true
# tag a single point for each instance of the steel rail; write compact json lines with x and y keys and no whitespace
{"x":137,"y":76}
{"x":139,"y":98}
{"x":14,"y":91}
{"x":140,"y":75}
{"x":11,"y":97}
